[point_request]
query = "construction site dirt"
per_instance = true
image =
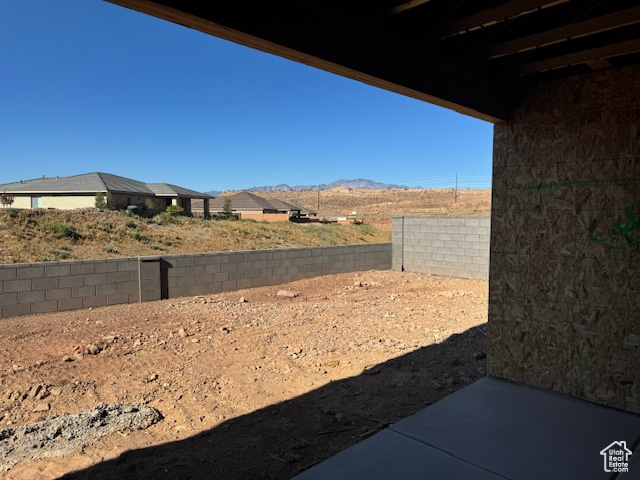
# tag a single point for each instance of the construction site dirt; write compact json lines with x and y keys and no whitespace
{"x":253,"y":384}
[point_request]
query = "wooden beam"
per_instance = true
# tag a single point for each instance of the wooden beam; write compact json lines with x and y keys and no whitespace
{"x":403,"y":7}
{"x":356,"y":53}
{"x":592,"y":26}
{"x":506,"y":11}
{"x":599,"y":64}
{"x":577,"y":58}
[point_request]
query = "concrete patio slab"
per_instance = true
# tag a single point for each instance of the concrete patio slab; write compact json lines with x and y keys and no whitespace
{"x":503,"y":429}
{"x":390,"y":455}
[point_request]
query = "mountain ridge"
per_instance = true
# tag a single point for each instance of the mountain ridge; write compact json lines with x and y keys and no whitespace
{"x":356,"y":183}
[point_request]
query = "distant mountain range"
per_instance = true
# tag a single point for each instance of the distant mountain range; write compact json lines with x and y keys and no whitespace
{"x":358,"y":183}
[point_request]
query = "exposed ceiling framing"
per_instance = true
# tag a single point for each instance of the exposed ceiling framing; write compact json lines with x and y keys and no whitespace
{"x":473,"y":56}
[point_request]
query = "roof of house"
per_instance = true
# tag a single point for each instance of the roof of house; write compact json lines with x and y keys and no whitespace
{"x":280,"y":205}
{"x":242,"y":201}
{"x":306,"y":211}
{"x":169,"y":190}
{"x":97,"y":182}
{"x":251,"y":201}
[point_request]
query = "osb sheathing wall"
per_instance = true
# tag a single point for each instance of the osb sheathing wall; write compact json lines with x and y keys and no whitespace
{"x":565,"y":248}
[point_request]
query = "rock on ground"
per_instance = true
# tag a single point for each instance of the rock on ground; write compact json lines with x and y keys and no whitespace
{"x":66,"y":433}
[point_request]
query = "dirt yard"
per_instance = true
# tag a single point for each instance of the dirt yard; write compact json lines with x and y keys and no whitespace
{"x":251,"y":384}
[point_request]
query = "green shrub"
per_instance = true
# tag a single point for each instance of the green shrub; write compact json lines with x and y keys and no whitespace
{"x":6,"y":199}
{"x":13,"y":212}
{"x":130,"y":223}
{"x":226,"y":208}
{"x":61,"y":230}
{"x":109,"y":249}
{"x":175,"y":210}
{"x":104,"y":201}
{"x":366,"y":229}
{"x":99,"y":201}
{"x":165,"y":218}
{"x":60,"y":255}
{"x":136,"y":235}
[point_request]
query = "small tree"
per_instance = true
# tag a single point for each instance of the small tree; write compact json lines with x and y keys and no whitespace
{"x":6,"y":200}
{"x":175,"y":210}
{"x":109,"y":203}
{"x":100,"y":201}
{"x":226,"y":208}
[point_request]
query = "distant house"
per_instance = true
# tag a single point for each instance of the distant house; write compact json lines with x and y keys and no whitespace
{"x":248,"y":205}
{"x":333,"y":216}
{"x":79,"y":191}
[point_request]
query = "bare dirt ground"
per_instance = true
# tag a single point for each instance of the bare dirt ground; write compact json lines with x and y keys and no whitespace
{"x":261,"y":388}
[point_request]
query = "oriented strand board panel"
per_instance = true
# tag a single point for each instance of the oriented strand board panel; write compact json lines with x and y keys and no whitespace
{"x":565,"y":240}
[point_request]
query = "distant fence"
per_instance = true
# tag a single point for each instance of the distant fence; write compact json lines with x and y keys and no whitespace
{"x":458,"y":247}
{"x":57,"y":286}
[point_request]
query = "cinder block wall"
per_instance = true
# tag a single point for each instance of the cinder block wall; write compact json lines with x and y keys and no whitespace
{"x":564,"y":302}
{"x":50,"y":287}
{"x":458,"y":247}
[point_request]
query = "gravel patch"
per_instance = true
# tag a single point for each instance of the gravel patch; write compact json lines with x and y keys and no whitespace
{"x":58,"y":435}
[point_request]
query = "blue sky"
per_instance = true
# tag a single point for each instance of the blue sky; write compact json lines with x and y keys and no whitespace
{"x":90,"y":86}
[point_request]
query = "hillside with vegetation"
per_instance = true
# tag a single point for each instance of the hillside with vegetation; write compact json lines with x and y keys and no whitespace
{"x":384,"y":203}
{"x":51,"y":235}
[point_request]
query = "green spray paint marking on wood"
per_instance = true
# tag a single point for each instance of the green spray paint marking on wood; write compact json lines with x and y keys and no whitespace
{"x":623,"y":235}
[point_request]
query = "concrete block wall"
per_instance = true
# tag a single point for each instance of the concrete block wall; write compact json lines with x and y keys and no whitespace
{"x":457,"y":247}
{"x":58,"y":286}
{"x":221,"y":272}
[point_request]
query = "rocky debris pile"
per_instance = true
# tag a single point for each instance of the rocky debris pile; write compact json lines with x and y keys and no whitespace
{"x":63,"y":434}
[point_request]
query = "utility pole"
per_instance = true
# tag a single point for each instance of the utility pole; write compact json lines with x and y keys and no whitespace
{"x":455,"y":192}
{"x":318,"y":198}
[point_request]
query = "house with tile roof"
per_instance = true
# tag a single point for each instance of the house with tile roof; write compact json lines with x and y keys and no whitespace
{"x":248,"y":205}
{"x":79,"y":191}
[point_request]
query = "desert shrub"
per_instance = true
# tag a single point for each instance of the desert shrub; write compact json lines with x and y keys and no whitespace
{"x":61,"y":230}
{"x":6,"y":200}
{"x":165,"y":218}
{"x":130,"y":223}
{"x":136,"y":235}
{"x":109,"y":249}
{"x":175,"y":210}
{"x":366,"y":229}
{"x":13,"y":212}
{"x":59,"y":254}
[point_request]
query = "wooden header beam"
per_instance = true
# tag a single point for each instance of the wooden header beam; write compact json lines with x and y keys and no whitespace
{"x":485,"y":18}
{"x":577,"y":58}
{"x":349,"y":51}
{"x":592,"y":26}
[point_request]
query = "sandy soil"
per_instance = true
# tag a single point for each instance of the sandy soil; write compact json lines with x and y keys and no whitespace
{"x":260,"y":388}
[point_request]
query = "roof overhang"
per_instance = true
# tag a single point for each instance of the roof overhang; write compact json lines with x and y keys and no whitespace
{"x":473,"y":57}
